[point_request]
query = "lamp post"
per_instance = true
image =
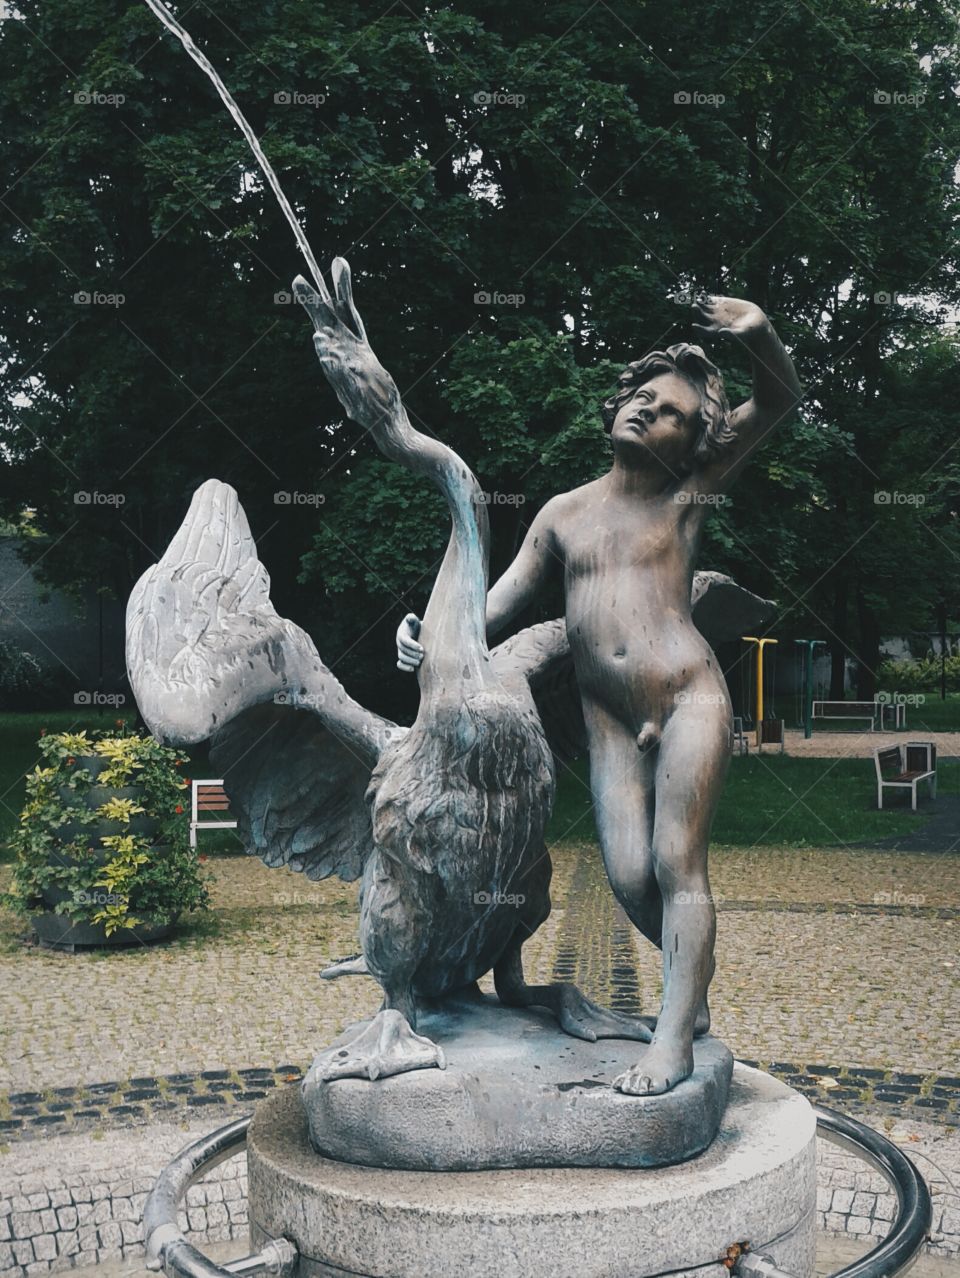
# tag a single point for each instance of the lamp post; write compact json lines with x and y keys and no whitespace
{"x":761,"y":644}
{"x":808,"y":683}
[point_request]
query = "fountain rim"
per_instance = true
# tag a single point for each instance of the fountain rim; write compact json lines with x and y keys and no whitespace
{"x":169,"y":1251}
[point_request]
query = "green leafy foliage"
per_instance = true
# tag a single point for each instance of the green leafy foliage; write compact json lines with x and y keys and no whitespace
{"x":120,"y":879}
{"x":588,"y":160}
{"x":922,"y":675}
{"x":21,"y":676}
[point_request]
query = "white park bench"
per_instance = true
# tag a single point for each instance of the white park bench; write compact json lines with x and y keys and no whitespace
{"x":208,"y":796}
{"x":904,"y":767}
{"x":869,"y":710}
{"x":895,"y":711}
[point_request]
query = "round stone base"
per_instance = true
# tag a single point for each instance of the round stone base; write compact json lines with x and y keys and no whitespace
{"x":756,"y":1184}
{"x":516,"y":1092}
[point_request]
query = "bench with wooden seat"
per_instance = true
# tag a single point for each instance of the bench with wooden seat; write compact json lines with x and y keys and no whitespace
{"x":904,"y":768}
{"x":208,"y":796}
{"x":770,"y":734}
{"x":740,"y":743}
{"x":870,"y":710}
{"x":895,"y":711}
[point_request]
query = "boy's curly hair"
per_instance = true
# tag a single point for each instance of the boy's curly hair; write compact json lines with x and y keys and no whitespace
{"x":688,"y":362}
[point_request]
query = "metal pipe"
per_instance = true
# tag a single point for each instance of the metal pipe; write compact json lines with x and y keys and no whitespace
{"x":908,"y":1232}
{"x":167,"y":1249}
{"x":897,"y":1252}
{"x":753,"y":1265}
{"x":761,"y":644}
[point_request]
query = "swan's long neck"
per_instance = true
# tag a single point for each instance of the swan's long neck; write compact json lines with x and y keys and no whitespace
{"x":457,"y":660}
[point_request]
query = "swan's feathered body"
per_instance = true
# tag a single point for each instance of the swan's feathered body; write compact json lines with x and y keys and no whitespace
{"x":458,"y":809}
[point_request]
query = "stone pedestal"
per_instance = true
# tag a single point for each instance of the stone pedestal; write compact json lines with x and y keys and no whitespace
{"x":756,"y":1183}
{"x":516,"y":1092}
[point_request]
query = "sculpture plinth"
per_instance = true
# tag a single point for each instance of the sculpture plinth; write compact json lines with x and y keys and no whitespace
{"x":756,"y":1183}
{"x":516,"y":1092}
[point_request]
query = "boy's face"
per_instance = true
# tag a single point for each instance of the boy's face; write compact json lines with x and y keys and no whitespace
{"x":660,"y":422}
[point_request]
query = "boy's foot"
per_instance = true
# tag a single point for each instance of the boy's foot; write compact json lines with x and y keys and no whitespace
{"x":662,"y":1066}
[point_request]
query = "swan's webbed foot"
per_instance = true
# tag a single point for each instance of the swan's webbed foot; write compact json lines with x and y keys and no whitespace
{"x":388,"y":1045}
{"x":580,"y":1017}
{"x":353,"y":965}
{"x":576,"y":1014}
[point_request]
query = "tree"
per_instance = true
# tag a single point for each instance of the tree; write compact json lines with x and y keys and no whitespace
{"x":585,"y":160}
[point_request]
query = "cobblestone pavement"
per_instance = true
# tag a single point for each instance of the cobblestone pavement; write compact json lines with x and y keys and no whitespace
{"x":70,"y":1202}
{"x":838,"y":957}
{"x":853,"y":1200}
{"x":861,"y":745}
{"x":837,"y":970}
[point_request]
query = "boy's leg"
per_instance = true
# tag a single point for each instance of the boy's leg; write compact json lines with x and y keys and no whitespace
{"x":692,"y":764}
{"x":624,"y":814}
{"x":622,"y":775}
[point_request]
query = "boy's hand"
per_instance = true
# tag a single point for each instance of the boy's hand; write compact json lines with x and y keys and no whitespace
{"x":728,"y":315}
{"x":409,"y":652}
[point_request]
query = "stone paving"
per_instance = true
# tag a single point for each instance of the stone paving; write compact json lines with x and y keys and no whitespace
{"x":837,"y":969}
{"x":853,"y":744}
{"x":69,"y":1202}
{"x":836,"y":957}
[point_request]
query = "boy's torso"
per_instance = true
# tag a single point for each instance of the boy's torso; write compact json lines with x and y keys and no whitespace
{"x":628,"y":567}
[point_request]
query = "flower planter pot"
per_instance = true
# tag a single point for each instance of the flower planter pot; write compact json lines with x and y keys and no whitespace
{"x":92,"y":832}
{"x":63,"y":864}
{"x":57,"y":932}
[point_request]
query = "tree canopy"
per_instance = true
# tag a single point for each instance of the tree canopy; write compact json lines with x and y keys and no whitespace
{"x":518,"y":188}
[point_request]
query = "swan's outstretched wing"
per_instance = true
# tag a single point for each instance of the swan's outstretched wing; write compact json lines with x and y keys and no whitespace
{"x":208,"y":656}
{"x":540,"y":655}
{"x":537,"y":661}
{"x":297,"y":792}
{"x":722,"y":610}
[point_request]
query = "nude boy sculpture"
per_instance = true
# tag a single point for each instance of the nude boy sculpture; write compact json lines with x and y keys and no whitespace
{"x":654,"y":699}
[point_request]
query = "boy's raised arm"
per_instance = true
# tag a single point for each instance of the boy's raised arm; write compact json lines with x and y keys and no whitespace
{"x":528,"y":573}
{"x":776,"y":388}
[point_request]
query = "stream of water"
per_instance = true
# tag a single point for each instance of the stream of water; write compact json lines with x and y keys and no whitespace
{"x":204,"y":63}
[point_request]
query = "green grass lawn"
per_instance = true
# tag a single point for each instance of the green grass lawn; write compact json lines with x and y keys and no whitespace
{"x":769,"y":799}
{"x":774,"y":799}
{"x":934,"y":715}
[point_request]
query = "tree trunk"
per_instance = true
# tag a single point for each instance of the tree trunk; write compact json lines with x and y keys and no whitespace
{"x":838,"y":647}
{"x":869,"y":650}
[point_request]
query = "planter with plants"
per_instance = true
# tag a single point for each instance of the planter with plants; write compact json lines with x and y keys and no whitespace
{"x":103,"y":856}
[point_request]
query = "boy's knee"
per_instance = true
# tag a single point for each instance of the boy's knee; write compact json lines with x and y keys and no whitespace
{"x":633,"y":881}
{"x":683,"y":871}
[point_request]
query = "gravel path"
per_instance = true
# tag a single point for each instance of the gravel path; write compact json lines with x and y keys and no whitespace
{"x":851,"y":744}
